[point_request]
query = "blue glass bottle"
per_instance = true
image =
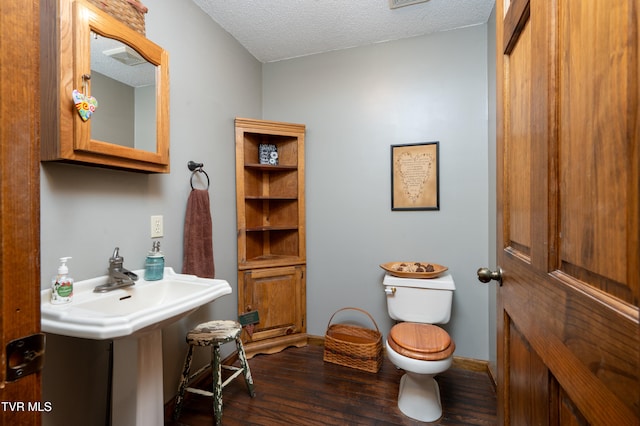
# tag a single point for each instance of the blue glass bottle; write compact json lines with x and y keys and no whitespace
{"x":154,"y":265}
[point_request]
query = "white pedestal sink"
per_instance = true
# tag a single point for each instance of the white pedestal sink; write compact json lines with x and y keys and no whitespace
{"x":133,"y":317}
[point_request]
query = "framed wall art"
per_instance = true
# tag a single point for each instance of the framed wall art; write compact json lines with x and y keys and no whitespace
{"x":415,"y":176}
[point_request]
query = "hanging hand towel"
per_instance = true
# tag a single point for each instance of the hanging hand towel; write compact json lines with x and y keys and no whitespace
{"x":198,"y":240}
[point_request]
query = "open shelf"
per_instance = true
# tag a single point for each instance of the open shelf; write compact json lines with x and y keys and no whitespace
{"x":268,"y":167}
{"x":270,"y":183}
{"x":270,"y":197}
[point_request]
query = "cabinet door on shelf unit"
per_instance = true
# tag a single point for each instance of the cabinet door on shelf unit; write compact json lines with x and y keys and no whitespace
{"x":279,"y":296}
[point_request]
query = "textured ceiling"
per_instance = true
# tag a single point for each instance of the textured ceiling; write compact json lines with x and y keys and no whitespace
{"x":140,"y":75}
{"x":273,"y":30}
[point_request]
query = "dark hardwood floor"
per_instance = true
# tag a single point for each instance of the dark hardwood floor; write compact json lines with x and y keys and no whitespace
{"x":296,"y":387}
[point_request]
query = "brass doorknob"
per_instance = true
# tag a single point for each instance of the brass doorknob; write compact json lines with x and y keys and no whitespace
{"x":485,"y":275}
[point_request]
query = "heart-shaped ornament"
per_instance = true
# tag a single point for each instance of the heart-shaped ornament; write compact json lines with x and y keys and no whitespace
{"x":86,"y":105}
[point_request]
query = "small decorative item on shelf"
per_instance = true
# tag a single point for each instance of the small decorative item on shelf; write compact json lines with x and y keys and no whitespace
{"x":268,"y":154}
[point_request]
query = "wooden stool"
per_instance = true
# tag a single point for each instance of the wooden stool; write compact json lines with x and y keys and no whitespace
{"x":214,"y":334}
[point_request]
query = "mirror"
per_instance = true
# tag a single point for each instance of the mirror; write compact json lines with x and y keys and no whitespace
{"x":125,"y":85}
{"x":129,"y":76}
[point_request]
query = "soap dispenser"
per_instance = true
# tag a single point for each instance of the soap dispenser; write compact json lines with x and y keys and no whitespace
{"x":154,"y":265}
{"x":62,"y":284}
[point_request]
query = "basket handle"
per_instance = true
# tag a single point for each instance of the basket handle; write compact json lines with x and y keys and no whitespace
{"x":354,"y":309}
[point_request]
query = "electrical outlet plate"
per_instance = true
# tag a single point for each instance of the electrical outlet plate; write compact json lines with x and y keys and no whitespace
{"x":157,"y":230}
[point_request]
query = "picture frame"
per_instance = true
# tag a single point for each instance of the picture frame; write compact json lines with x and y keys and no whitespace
{"x":415,"y":176}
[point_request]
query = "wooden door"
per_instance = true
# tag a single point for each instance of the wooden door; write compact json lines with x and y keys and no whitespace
{"x":19,"y":203}
{"x":568,"y":212}
{"x":279,"y":296}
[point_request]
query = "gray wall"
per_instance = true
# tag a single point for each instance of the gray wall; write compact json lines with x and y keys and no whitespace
{"x":114,"y":119}
{"x":125,"y":114}
{"x":355,"y":103}
{"x":145,"y":111}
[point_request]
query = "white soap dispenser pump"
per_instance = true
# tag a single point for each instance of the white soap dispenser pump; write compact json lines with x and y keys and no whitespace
{"x":62,"y":284}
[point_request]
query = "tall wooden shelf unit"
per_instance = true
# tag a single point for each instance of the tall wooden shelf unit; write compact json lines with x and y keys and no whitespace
{"x":271,"y":234}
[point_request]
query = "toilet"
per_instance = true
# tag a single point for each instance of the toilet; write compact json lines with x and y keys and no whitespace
{"x":417,"y":346}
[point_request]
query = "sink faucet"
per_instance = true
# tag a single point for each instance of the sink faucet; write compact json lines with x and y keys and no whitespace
{"x":119,"y":277}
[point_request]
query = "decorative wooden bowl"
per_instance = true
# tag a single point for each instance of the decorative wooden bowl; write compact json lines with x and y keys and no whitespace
{"x":413,"y":269}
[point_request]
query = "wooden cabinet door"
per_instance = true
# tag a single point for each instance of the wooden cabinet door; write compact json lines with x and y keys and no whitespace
{"x":279,"y":296}
{"x":568,"y":212}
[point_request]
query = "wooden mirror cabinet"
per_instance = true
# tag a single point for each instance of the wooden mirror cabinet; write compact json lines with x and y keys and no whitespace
{"x":90,"y":51}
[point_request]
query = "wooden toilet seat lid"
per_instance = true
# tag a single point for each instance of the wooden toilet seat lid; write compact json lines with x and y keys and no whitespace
{"x":421,"y":341}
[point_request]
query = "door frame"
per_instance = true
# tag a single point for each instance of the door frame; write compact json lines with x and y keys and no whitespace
{"x":19,"y":200}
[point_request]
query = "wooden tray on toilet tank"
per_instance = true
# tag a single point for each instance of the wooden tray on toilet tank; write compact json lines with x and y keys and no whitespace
{"x":414,"y":269}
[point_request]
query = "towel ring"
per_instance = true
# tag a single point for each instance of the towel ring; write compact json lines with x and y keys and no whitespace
{"x":197,"y":167}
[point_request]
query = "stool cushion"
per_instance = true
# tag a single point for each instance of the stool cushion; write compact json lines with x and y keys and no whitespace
{"x":421,"y":341}
{"x":214,"y":332}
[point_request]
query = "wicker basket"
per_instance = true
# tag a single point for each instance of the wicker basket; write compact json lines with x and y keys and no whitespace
{"x":124,"y":12}
{"x":353,"y":346}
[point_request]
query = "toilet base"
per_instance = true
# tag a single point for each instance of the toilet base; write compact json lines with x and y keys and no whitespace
{"x":419,"y":397}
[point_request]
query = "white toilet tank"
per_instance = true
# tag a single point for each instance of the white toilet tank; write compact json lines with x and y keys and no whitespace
{"x":425,"y":301}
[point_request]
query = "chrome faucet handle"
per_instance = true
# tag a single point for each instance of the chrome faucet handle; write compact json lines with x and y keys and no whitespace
{"x":116,"y":254}
{"x":116,"y":258}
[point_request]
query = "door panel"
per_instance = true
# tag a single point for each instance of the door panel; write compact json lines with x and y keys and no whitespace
{"x":595,"y":134}
{"x":568,"y":212}
{"x":528,"y":380}
{"x":518,"y":159}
